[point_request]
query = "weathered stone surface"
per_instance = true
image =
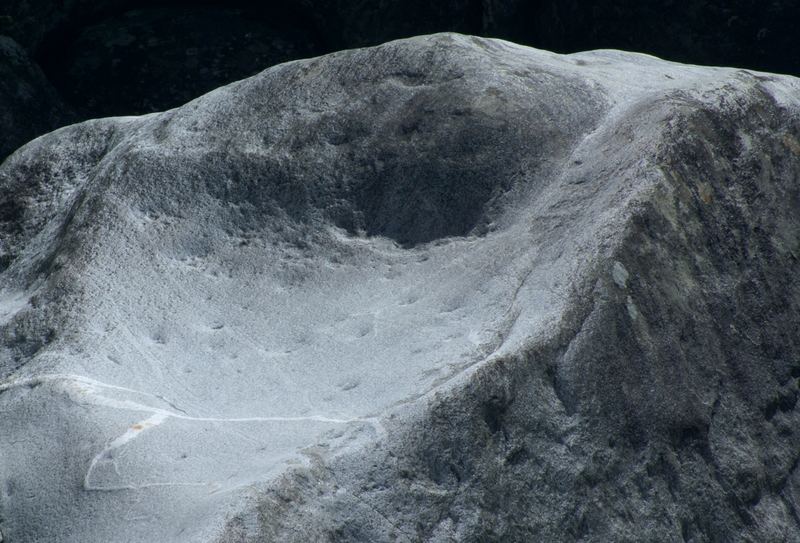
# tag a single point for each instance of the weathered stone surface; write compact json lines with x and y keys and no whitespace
{"x":28,"y":104}
{"x":443,"y":289}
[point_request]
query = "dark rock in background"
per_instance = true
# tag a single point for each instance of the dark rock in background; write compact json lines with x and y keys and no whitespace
{"x":363,"y":23}
{"x":157,"y":58}
{"x":112,"y":57}
{"x":741,"y":33}
{"x":29,"y":106}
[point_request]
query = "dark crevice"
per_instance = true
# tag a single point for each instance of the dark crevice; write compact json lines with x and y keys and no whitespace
{"x":784,"y":403}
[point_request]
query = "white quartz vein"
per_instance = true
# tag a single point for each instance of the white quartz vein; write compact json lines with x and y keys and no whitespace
{"x":85,"y":390}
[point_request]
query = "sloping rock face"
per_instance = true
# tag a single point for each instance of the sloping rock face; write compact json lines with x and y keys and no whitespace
{"x":443,"y":289}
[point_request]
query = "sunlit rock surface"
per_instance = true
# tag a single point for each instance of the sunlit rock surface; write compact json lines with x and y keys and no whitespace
{"x":442,"y":289}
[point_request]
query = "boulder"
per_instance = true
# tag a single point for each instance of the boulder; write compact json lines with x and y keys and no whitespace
{"x":447,"y":288}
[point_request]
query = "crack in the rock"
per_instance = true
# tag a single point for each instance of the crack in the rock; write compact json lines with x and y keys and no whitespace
{"x":88,"y":390}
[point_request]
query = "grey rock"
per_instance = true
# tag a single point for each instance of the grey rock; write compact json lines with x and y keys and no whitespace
{"x":443,"y":289}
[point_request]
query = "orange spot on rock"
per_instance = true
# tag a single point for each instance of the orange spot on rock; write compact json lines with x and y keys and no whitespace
{"x":792,"y":143}
{"x":705,"y":194}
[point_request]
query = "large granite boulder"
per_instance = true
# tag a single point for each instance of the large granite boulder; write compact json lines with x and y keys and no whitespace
{"x":443,"y":289}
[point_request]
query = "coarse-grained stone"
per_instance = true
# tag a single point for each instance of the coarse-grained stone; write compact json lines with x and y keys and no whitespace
{"x":443,"y":289}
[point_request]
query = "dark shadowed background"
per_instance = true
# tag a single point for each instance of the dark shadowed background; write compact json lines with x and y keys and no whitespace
{"x":63,"y":61}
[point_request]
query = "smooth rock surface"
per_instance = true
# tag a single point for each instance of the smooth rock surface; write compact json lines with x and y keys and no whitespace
{"x":443,"y":289}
